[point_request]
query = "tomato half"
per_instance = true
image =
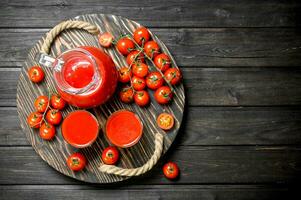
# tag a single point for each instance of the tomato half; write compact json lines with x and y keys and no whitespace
{"x":41,"y":104}
{"x":154,"y":80}
{"x":163,"y":95}
{"x":36,"y":74}
{"x":76,"y":161}
{"x":54,"y":117}
{"x":47,"y":131}
{"x":124,"y":75}
{"x":165,"y":121}
{"x":141,"y":35}
{"x":57,"y":102}
{"x":125,"y":46}
{"x":142,"y":98}
{"x":171,"y":170}
{"x":110,"y":155}
{"x":34,"y":119}
{"x":162,"y":62}
{"x":105,"y":39}
{"x":152,"y":49}
{"x":173,"y":75}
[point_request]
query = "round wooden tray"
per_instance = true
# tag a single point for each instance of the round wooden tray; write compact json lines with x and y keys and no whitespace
{"x":56,"y":152}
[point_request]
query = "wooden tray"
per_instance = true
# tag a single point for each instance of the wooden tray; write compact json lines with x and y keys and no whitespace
{"x":56,"y":152}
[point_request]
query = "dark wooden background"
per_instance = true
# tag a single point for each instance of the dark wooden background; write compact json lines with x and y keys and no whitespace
{"x":241,"y":136}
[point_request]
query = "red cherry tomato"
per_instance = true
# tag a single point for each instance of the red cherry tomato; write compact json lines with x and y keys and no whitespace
{"x":125,"y":46}
{"x":151,"y":48}
{"x":154,"y":80}
{"x":138,"y":83}
{"x":41,"y":104}
{"x":47,"y":131}
{"x":173,"y":75}
{"x":171,"y":170}
{"x":141,"y":35}
{"x":110,"y":155}
{"x":162,"y":62}
{"x":140,"y":69}
{"x":124,"y":74}
{"x":54,"y":117}
{"x":57,"y":102}
{"x":142,"y":98}
{"x":126,"y":95}
{"x":163,"y":95}
{"x":34,"y":119}
{"x":76,"y":161}
{"x":165,"y":121}
{"x":105,"y":39}
{"x":36,"y":74}
{"x":135,"y":57}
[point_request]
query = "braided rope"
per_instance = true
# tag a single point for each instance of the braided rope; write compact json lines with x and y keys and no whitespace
{"x":111,"y":169}
{"x":63,"y":26}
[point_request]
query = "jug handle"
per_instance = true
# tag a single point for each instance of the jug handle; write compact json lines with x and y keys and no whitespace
{"x":43,"y":58}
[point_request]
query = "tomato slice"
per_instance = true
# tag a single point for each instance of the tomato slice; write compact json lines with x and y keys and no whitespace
{"x":165,"y":121}
{"x":105,"y":39}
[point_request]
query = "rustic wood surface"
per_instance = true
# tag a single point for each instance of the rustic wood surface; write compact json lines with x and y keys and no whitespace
{"x":241,"y":135}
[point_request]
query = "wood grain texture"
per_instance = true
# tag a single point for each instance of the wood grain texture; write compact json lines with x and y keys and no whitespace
{"x":56,"y":152}
{"x":205,"y":126}
{"x":172,"y":192}
{"x":192,"y":47}
{"x":171,"y":13}
{"x":199,"y":165}
{"x":213,"y":86}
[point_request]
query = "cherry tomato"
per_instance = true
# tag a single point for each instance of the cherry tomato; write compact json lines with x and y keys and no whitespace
{"x":135,"y":57}
{"x":173,"y":75}
{"x":124,"y":74}
{"x":76,"y":161}
{"x":110,"y":155}
{"x":126,"y":95}
{"x":47,"y":131}
{"x":57,"y":102}
{"x":141,"y":35}
{"x":138,"y":83}
{"x":54,"y":117}
{"x":151,"y":48}
{"x":141,"y":98}
{"x":162,"y":62}
{"x":165,"y":121}
{"x":36,"y":74}
{"x":41,"y":104}
{"x":34,"y":119}
{"x":125,"y":46}
{"x":105,"y":39}
{"x":163,"y":95}
{"x":171,"y":170}
{"x":154,"y":80}
{"x":140,"y":69}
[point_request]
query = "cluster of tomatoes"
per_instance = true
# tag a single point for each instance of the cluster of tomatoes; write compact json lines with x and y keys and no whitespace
{"x":137,"y":50}
{"x":47,"y":115}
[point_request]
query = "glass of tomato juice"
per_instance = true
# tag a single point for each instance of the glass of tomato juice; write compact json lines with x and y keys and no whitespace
{"x":85,"y":76}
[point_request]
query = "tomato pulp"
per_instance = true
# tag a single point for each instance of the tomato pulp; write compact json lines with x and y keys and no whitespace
{"x":80,"y":128}
{"x":87,"y":78}
{"x":124,"y":128}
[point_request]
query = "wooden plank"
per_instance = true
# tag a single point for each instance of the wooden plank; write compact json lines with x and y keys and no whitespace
{"x":205,"y":126}
{"x":199,"y":165}
{"x":173,"y":192}
{"x":175,"y":13}
{"x":213,"y":86}
{"x":217,"y":47}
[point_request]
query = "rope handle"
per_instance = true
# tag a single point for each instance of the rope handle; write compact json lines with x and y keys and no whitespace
{"x":111,"y":169}
{"x":63,"y":26}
